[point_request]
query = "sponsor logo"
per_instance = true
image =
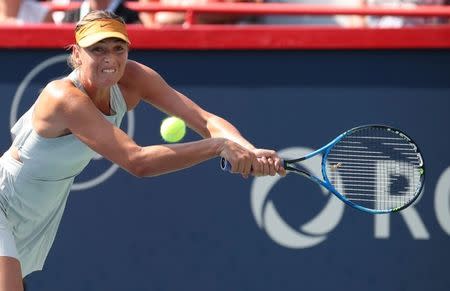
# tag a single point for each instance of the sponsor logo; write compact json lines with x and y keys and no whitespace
{"x":316,"y":229}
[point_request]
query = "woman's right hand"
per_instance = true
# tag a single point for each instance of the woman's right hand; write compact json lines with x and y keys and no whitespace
{"x":241,"y":159}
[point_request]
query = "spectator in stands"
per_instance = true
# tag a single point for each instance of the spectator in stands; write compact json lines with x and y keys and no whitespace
{"x":344,"y":21}
{"x":25,"y":11}
{"x":396,"y":21}
{"x":115,"y":6}
{"x":176,"y":18}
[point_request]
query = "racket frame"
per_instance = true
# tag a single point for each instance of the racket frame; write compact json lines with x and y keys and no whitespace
{"x":325,"y":150}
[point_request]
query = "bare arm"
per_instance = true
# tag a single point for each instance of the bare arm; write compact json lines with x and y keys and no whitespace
{"x":61,"y":109}
{"x":9,"y":9}
{"x":84,"y":120}
{"x":157,"y":92}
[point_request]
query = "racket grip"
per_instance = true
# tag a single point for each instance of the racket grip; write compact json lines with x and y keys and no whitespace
{"x":225,"y":165}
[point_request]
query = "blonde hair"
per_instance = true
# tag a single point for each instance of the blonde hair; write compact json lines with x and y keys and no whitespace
{"x":88,"y":18}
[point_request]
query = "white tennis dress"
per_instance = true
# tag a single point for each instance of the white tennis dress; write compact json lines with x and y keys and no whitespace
{"x":34,"y":191}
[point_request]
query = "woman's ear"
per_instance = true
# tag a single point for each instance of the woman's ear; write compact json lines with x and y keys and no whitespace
{"x":76,"y":55}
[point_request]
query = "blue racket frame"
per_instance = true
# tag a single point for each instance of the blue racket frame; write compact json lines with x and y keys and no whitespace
{"x":325,"y":150}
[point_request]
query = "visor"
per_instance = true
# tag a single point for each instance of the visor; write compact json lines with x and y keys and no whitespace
{"x":100,"y":29}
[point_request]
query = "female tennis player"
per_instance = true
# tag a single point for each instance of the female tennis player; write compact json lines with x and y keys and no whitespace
{"x":78,"y":115}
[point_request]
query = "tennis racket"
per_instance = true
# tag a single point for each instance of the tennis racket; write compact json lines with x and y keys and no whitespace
{"x":373,"y":168}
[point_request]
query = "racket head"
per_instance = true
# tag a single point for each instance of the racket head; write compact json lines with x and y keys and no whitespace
{"x":374,"y":168}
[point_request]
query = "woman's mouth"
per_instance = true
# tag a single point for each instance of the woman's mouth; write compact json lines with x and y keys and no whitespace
{"x":109,"y":71}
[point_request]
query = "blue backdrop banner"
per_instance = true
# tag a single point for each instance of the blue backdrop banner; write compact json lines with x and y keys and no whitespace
{"x":204,"y":229}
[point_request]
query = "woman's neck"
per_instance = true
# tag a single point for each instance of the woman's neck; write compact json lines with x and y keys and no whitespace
{"x":98,"y":95}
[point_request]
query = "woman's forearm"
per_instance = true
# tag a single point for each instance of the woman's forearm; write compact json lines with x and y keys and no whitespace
{"x":219,"y":127}
{"x":160,"y":159}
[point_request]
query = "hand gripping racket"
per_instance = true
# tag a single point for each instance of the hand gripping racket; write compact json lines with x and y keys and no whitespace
{"x":373,"y":168}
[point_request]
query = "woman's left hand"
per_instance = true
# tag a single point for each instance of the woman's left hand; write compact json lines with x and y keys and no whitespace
{"x":267,"y":163}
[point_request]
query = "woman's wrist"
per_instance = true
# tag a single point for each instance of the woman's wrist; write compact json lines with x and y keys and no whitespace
{"x":219,"y":145}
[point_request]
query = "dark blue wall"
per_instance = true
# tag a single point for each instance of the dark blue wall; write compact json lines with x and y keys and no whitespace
{"x":201,"y":229}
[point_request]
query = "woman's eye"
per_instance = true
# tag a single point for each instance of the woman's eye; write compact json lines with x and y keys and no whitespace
{"x":97,"y":49}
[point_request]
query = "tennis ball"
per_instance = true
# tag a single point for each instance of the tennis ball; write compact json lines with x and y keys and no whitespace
{"x":173,"y":129}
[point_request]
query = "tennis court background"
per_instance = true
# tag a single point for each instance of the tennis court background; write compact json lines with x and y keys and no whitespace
{"x":195,"y":230}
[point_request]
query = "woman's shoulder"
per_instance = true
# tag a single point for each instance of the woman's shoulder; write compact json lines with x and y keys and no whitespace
{"x":55,"y":105}
{"x":60,"y":92}
{"x":60,"y":88}
{"x":134,"y":69}
{"x":136,"y":81}
{"x":138,"y":75}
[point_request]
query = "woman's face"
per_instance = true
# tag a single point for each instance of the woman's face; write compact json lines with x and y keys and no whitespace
{"x":103,"y":63}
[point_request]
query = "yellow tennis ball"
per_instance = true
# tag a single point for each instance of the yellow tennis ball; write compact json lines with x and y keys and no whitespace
{"x":173,"y":129}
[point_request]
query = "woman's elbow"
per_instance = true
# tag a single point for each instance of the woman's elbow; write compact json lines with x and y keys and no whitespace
{"x":144,"y":163}
{"x":135,"y":165}
{"x":139,"y":169}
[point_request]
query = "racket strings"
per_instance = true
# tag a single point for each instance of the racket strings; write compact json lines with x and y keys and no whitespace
{"x":376,"y":168}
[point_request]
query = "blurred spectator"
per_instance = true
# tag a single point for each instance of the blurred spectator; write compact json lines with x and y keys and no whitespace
{"x":396,"y":21}
{"x":25,"y":11}
{"x":173,"y":18}
{"x":115,"y":6}
{"x":344,"y":21}
{"x":446,"y":19}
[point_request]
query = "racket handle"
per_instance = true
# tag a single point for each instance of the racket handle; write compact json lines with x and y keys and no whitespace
{"x":225,"y":165}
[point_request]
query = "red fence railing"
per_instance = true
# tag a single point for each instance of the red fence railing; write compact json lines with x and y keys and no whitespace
{"x":255,"y":37}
